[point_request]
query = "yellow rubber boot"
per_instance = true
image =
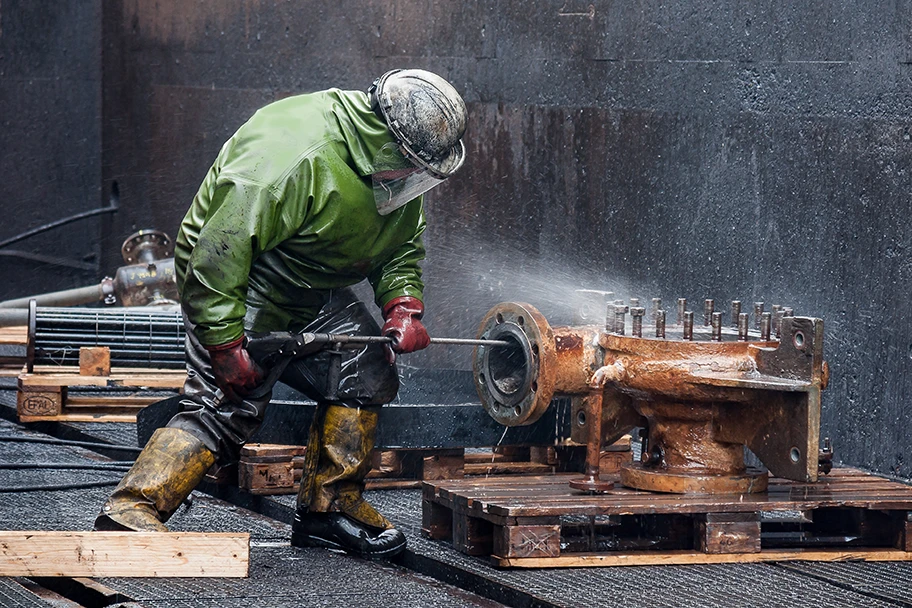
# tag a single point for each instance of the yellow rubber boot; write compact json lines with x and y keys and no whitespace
{"x":331,"y":511}
{"x":166,"y":471}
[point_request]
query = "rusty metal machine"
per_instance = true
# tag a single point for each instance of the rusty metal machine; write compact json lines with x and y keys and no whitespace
{"x":700,"y":393}
{"x":148,"y":279}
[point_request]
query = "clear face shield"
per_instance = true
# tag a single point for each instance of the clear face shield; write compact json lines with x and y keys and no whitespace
{"x":397,"y":180}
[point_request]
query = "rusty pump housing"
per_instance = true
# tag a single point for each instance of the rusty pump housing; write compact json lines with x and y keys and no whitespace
{"x":700,"y":395}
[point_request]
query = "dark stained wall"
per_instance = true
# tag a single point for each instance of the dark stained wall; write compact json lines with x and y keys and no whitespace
{"x":50,"y":141}
{"x":758,"y":151}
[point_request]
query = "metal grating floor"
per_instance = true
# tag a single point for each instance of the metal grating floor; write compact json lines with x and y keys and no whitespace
{"x":283,"y":576}
{"x":14,"y":595}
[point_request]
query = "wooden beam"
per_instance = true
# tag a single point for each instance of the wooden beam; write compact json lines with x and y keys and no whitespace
{"x":127,"y":554}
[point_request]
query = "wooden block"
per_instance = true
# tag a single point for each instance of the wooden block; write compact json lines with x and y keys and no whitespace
{"x":527,"y":541}
{"x":513,"y":452}
{"x":471,"y":535}
{"x":94,"y":361}
{"x":436,"y":520}
{"x":489,"y":456}
{"x":727,"y":532}
{"x":127,"y":554}
{"x":543,"y":454}
{"x":386,"y":463}
{"x":271,"y":452}
{"x":445,"y":464}
{"x":265,"y":476}
{"x":902,"y":530}
{"x":14,"y":335}
{"x":39,"y":401}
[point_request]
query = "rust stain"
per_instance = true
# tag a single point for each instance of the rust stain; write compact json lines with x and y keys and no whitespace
{"x":568,"y":342}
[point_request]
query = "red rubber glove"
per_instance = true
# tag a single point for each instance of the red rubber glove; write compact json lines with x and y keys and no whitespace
{"x":235,"y":372}
{"x":403,"y":325}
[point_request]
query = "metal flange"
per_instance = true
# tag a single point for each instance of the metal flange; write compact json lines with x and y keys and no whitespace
{"x":146,"y":246}
{"x":516,"y":382}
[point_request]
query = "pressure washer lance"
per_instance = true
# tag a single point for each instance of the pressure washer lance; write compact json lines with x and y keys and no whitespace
{"x":277,"y":349}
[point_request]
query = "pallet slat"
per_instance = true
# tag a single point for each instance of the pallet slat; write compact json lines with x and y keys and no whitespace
{"x":682,"y":558}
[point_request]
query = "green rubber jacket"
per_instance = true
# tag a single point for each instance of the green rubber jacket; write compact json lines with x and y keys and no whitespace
{"x":287,"y":213}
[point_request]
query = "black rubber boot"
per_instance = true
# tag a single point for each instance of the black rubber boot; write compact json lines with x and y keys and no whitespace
{"x":331,"y":512}
{"x":342,"y":533}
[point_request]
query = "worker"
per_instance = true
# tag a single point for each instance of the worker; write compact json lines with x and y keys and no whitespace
{"x":312,"y":195}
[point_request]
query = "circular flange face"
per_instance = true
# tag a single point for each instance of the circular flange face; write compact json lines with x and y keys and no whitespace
{"x":516,"y":382}
{"x":147,"y":244}
{"x":635,"y":475}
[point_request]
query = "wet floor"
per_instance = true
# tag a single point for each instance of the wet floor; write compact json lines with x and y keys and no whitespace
{"x":431,"y":573}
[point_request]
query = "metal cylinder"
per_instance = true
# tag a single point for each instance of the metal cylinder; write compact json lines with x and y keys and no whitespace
{"x":709,"y":306}
{"x":66,"y":297}
{"x":688,"y":325}
{"x":682,"y":306}
{"x":777,"y":323}
{"x":736,"y":312}
{"x":637,"y":314}
{"x":656,"y":307}
{"x":758,"y":312}
{"x":743,"y":325}
{"x":619,"y":321}
{"x":660,"y":323}
{"x":609,"y":318}
{"x":716,"y":323}
{"x":765,"y":323}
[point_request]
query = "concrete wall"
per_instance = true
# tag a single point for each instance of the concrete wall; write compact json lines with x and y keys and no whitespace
{"x":757,"y":151}
{"x":50,"y":141}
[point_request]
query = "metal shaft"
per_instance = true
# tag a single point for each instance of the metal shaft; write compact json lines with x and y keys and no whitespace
{"x":469,"y":342}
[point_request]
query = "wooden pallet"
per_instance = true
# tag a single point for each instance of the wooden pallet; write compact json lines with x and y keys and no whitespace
{"x":269,"y":469}
{"x":539,"y":522}
{"x":43,"y":395}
